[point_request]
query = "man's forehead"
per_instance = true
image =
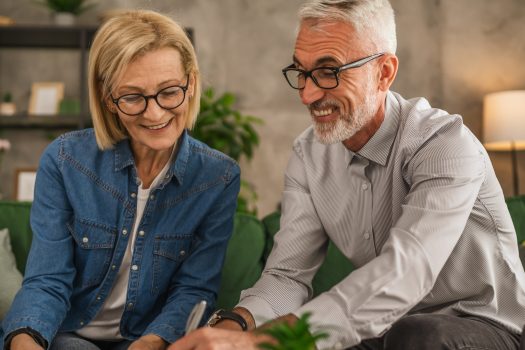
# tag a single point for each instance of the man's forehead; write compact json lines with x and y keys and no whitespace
{"x":325,"y":42}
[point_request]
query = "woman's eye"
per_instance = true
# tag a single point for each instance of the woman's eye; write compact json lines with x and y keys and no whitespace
{"x":131,"y":98}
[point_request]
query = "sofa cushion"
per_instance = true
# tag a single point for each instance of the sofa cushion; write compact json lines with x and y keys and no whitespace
{"x":11,"y":277}
{"x":244,"y":259}
{"x":15,"y":216}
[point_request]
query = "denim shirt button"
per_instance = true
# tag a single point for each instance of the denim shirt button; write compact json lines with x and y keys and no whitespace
{"x":113,"y":267}
{"x":85,"y":239}
{"x":152,"y":197}
{"x":134,"y":267}
{"x":133,"y":195}
{"x":99,"y":297}
{"x":182,"y":252}
{"x":141,"y":233}
{"x":124,"y":232}
{"x":81,"y":323}
{"x":130,"y":305}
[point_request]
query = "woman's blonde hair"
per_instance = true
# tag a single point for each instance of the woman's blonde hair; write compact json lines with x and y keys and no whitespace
{"x":119,"y":41}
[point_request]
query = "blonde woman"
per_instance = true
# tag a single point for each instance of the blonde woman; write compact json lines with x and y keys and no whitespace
{"x":131,"y":219}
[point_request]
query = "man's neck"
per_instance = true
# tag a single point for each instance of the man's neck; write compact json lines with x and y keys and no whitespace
{"x":360,"y":138}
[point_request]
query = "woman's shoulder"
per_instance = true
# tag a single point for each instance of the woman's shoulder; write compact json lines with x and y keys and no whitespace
{"x":201,"y":150}
{"x":78,"y":143}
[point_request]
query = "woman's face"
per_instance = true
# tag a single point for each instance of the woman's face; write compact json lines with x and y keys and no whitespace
{"x":156,"y":128}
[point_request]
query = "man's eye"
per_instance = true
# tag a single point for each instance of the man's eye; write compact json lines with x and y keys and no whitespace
{"x":325,"y":73}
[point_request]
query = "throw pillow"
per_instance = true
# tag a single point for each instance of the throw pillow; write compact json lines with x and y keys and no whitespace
{"x":11,"y":277}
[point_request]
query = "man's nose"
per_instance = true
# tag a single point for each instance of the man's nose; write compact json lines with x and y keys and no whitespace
{"x":311,"y":92}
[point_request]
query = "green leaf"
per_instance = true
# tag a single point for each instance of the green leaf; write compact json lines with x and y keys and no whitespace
{"x":293,"y":337}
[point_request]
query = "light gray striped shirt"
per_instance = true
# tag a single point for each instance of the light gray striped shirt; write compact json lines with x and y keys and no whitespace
{"x":419,"y":212}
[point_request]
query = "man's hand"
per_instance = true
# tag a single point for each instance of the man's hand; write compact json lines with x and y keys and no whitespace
{"x":24,"y":342}
{"x":148,"y":342}
{"x":208,"y":338}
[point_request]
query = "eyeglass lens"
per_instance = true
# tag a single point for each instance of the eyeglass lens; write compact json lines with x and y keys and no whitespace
{"x":324,"y":77}
{"x":167,"y":98}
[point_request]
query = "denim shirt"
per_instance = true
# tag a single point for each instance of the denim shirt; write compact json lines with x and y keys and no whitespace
{"x":82,"y":217}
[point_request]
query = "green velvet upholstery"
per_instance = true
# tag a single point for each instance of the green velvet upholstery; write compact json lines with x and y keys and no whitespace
{"x":15,"y":216}
{"x":244,"y":259}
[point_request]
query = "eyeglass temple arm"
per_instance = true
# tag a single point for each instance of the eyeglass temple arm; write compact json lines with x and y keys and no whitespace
{"x":361,"y":62}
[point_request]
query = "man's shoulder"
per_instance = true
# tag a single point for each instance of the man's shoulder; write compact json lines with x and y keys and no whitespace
{"x":419,"y":121}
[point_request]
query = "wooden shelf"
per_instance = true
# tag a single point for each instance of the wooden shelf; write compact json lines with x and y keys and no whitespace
{"x":42,"y":36}
{"x":24,"y":121}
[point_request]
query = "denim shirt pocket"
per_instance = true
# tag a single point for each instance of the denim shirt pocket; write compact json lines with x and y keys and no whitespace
{"x":169,"y":251}
{"x":94,"y":245}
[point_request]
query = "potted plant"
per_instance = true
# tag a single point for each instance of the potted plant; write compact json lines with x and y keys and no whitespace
{"x":224,"y":128}
{"x":292,"y":337}
{"x":65,"y":11}
{"x":7,"y":106}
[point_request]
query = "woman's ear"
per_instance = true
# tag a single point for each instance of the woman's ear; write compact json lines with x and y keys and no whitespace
{"x":389,"y":65}
{"x":110,"y":105}
{"x":191,"y":86}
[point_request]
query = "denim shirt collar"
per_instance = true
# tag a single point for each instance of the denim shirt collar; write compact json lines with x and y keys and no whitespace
{"x":124,"y":158}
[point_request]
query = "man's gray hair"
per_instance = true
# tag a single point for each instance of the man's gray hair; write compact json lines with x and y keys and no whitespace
{"x":375,"y":17}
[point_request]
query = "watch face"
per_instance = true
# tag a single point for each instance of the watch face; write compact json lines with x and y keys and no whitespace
{"x":215,"y":317}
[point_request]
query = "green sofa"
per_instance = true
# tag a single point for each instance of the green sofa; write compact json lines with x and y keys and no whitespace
{"x":248,"y":249}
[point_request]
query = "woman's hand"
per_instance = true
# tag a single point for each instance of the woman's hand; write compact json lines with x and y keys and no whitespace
{"x":148,"y":342}
{"x":24,"y":342}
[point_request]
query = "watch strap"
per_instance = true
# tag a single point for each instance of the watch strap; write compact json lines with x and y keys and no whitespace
{"x":221,"y":314}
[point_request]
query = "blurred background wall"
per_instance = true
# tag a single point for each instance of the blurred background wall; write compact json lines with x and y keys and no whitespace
{"x":452,"y":52}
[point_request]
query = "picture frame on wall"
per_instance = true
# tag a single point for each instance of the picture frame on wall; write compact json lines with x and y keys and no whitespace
{"x":24,"y":184}
{"x":45,"y":98}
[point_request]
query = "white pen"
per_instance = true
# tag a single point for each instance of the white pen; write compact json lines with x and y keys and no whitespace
{"x":195,"y":316}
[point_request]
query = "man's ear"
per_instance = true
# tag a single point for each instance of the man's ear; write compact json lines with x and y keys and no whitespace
{"x":388,"y":71}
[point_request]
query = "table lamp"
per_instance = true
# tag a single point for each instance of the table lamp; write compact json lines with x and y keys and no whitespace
{"x":504,"y":126}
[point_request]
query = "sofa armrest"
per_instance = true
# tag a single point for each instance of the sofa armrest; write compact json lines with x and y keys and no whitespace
{"x":15,"y":216}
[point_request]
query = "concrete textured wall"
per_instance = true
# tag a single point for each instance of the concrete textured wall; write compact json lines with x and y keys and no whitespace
{"x":451,"y":51}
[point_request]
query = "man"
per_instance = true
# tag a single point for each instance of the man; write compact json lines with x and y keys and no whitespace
{"x":405,"y":191}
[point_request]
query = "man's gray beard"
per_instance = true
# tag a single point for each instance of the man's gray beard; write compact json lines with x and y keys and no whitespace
{"x":346,"y":125}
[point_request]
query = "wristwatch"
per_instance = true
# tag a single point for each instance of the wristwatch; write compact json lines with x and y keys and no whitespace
{"x":221,"y":314}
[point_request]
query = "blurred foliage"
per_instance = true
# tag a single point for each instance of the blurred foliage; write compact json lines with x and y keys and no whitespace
{"x":224,"y":128}
{"x":292,"y":337}
{"x":75,"y":7}
{"x":7,"y":97}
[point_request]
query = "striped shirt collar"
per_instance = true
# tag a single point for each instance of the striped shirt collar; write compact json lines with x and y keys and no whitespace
{"x":377,"y":149}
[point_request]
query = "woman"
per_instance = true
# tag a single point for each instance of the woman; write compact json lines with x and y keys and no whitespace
{"x":131,"y":219}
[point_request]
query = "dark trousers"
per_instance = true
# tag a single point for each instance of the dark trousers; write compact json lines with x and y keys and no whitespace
{"x":72,"y":341}
{"x":443,"y":332}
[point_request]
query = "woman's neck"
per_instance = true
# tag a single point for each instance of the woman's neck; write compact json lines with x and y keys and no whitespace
{"x":149,"y":163}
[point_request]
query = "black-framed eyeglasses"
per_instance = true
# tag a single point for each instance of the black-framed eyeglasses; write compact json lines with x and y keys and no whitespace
{"x":170,"y":97}
{"x":323,"y":77}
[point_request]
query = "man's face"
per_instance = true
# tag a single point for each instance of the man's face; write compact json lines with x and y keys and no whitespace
{"x":337,"y":113}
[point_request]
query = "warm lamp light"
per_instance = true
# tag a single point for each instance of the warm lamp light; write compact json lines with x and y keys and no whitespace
{"x":504,"y":125}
